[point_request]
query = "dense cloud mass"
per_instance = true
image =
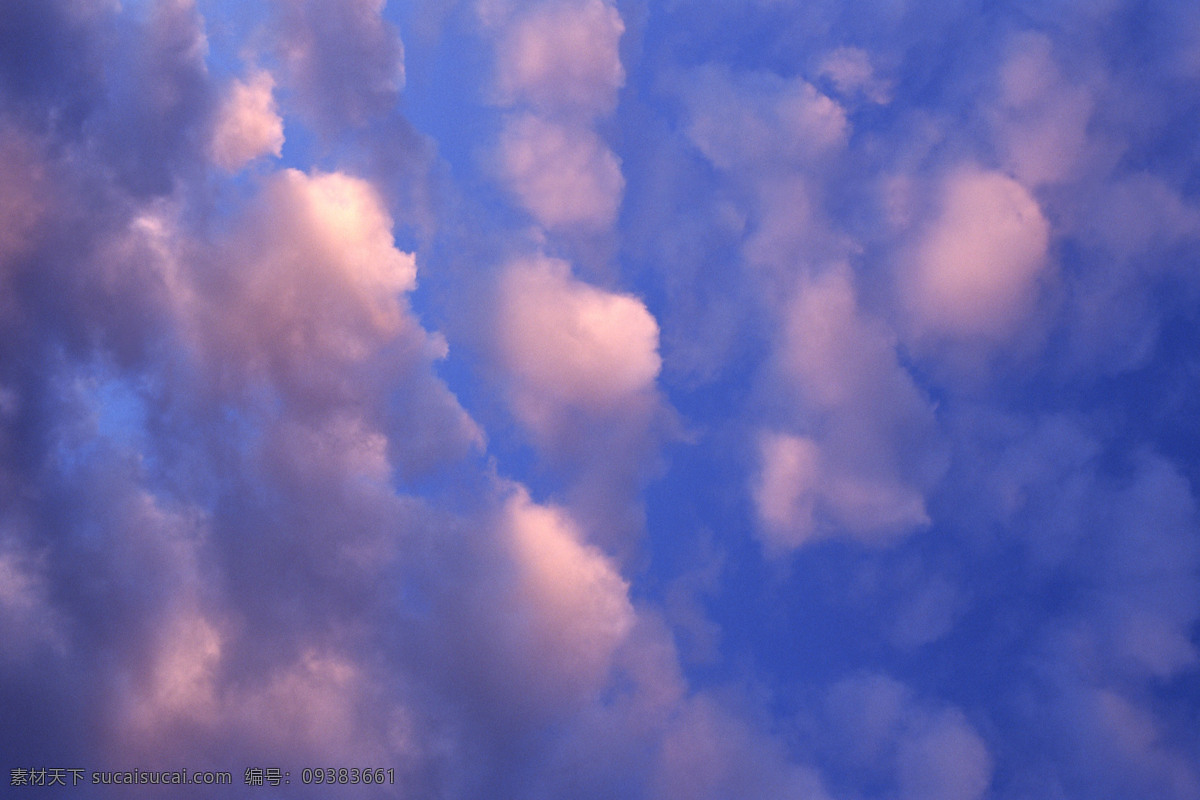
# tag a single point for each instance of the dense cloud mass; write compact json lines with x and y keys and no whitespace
{"x":601,"y":399}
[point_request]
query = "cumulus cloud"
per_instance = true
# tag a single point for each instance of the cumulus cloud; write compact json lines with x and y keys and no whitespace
{"x":801,"y":496}
{"x":563,"y":174}
{"x":570,"y":343}
{"x":562,"y":58}
{"x":577,"y":605}
{"x":710,"y":755}
{"x":1042,"y":118}
{"x":559,"y":63}
{"x":248,"y":125}
{"x":852,"y":73}
{"x":574,"y":407}
{"x":869,"y":453}
{"x":24,"y":202}
{"x":27,"y":617}
{"x":579,"y":366}
{"x":759,"y":119}
{"x":979,"y":264}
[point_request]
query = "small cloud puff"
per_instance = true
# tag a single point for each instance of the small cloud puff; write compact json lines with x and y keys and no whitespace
{"x":567,"y":343}
{"x":877,"y":729}
{"x":248,"y":125}
{"x":865,"y":450}
{"x":563,"y":174}
{"x":562,"y":58}
{"x":851,"y":72}
{"x":802,"y":494}
{"x":759,"y":120}
{"x":976,"y":270}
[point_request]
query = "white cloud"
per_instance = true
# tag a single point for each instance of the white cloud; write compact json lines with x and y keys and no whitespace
{"x":247,"y":125}
{"x":977,"y":267}
{"x":320,"y":279}
{"x":562,"y":173}
{"x":574,"y":600}
{"x":866,"y":447}
{"x":562,"y":58}
{"x":568,"y":343}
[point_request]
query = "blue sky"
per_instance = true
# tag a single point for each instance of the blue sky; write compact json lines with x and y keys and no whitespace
{"x":588,"y":399}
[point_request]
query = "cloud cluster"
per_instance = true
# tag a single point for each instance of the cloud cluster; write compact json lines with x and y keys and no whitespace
{"x":597,"y":400}
{"x":558,"y":68}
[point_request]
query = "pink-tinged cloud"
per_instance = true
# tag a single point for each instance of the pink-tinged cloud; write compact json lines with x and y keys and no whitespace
{"x":1112,"y":740}
{"x":1138,"y":214}
{"x":23,"y":196}
{"x":561,"y":58}
{"x":248,"y":125}
{"x":865,"y":447}
{"x":247,"y":519}
{"x":322,"y":278}
{"x":578,"y":365}
{"x":759,"y":120}
{"x":853,"y":75}
{"x":28,"y":619}
{"x":802,"y":495}
{"x":563,"y":174}
{"x":567,"y":343}
{"x":978,"y":265}
{"x":943,"y":758}
{"x":572,"y":605}
{"x":1041,"y":118}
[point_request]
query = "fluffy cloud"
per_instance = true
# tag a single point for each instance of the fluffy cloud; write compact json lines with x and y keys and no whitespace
{"x":575,"y":603}
{"x":801,"y":496}
{"x":561,"y":62}
{"x":569,"y":343}
{"x":1042,"y":119}
{"x":759,"y":119}
{"x":706,"y":278}
{"x":870,"y":452}
{"x":978,"y":266}
{"x":563,"y":174}
{"x":707,"y":754}
{"x":24,"y":202}
{"x":562,"y":58}
{"x":27,"y":617}
{"x":248,"y":125}
{"x":851,"y":72}
{"x":579,"y":366}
